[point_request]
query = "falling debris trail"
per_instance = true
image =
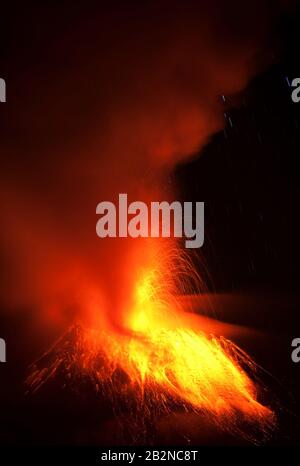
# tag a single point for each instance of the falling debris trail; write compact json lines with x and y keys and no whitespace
{"x":162,"y":362}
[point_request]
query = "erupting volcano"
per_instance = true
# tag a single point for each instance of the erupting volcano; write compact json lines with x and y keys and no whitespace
{"x":128,"y":93}
{"x":165,"y":361}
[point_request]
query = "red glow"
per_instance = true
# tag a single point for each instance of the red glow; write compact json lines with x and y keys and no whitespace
{"x":165,"y":352}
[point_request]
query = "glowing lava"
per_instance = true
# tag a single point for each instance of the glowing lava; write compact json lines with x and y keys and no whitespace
{"x":167,"y":362}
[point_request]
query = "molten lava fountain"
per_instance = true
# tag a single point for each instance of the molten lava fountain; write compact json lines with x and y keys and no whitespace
{"x":144,"y":88}
{"x":165,"y":363}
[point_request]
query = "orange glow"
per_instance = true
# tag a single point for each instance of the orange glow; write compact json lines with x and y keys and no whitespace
{"x":165,"y":358}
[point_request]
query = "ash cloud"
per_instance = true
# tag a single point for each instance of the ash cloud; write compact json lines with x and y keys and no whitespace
{"x":104,"y":100}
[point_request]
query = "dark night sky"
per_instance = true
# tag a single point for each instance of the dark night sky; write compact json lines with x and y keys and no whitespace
{"x":248,"y":175}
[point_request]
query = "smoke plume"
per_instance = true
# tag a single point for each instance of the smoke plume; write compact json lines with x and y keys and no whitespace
{"x":106,"y":100}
